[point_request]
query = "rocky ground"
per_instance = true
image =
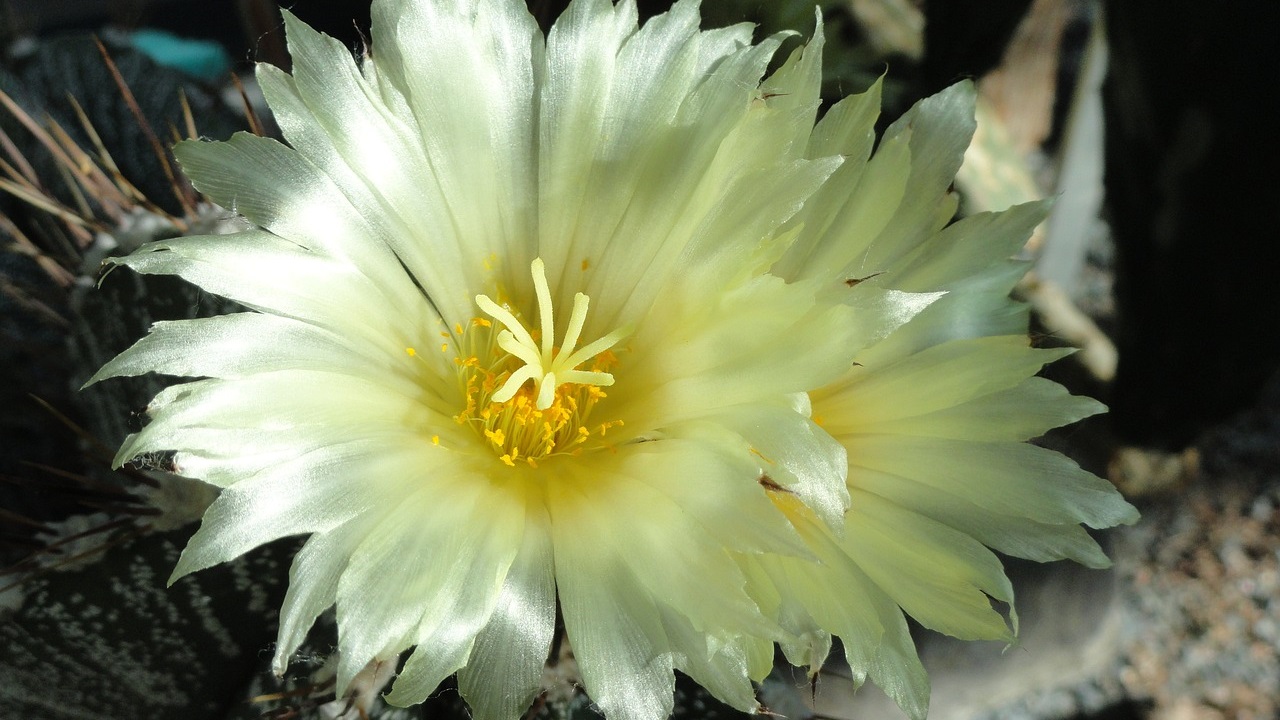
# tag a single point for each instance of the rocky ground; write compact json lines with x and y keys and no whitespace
{"x":1200,"y":576}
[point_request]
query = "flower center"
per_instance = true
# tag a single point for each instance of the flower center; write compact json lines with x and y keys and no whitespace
{"x":532,"y":400}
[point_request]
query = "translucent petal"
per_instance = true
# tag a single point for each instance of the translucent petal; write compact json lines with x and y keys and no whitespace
{"x":942,"y":577}
{"x":879,"y":312}
{"x":269,"y":274}
{"x":727,"y":495}
{"x":504,"y":673}
{"x":239,"y":345}
{"x":428,"y":574}
{"x":938,"y":129}
{"x":848,"y":130}
{"x":895,"y":667}
{"x":1025,"y":411}
{"x":314,"y":492}
{"x":591,"y":121}
{"x":1010,"y":532}
{"x":718,"y":44}
{"x":697,"y":353}
{"x":224,"y":430}
{"x":936,"y":378}
{"x":840,"y":603}
{"x":850,"y":221}
{"x":806,"y":644}
{"x":313,"y":585}
{"x":468,"y":71}
{"x":277,"y":188}
{"x":966,"y":248}
{"x":669,"y":184}
{"x":976,"y":307}
{"x":1008,"y":478}
{"x":660,"y":510}
{"x":900,"y":199}
{"x":662,"y":559}
{"x":797,"y":455}
{"x":748,"y":199}
{"x":728,"y":87}
{"x":717,"y":664}
{"x":832,"y":591}
{"x":373,"y":151}
{"x":796,"y":85}
{"x":835,"y":596}
{"x":759,"y":655}
{"x":616,"y":631}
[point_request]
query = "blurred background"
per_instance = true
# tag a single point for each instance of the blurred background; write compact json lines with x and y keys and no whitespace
{"x":1148,"y":122}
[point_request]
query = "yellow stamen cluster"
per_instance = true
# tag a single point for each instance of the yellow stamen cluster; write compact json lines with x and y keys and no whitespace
{"x":517,"y":429}
{"x":525,"y":396}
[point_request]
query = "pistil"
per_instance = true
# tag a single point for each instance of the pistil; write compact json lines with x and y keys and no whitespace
{"x":546,"y":366}
{"x":526,"y":397}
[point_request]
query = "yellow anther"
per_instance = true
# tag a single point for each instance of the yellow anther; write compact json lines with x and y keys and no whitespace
{"x":435,"y":439}
{"x":606,"y":360}
{"x":411,"y":352}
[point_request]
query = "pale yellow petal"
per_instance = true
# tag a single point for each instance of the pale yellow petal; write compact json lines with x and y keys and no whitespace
{"x":941,"y":576}
{"x":504,"y":673}
{"x":430,"y":571}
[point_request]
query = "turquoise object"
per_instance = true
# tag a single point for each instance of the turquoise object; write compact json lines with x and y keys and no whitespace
{"x":203,"y":59}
